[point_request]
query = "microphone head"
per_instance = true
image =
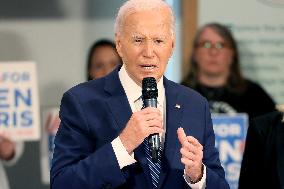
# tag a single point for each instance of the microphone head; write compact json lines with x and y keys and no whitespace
{"x":149,"y":88}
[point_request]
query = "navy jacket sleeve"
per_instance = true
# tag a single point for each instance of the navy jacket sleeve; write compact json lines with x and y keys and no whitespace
{"x":77,"y":163}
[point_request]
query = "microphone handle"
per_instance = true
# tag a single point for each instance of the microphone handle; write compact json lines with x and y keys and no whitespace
{"x":151,"y":102}
{"x":153,"y":139}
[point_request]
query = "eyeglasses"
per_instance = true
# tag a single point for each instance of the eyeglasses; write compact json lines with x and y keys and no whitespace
{"x":210,"y":45}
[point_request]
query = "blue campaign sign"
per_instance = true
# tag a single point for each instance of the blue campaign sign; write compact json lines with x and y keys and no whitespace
{"x":19,"y":103}
{"x":230,"y":132}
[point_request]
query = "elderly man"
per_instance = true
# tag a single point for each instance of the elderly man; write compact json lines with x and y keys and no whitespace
{"x":100,"y":140}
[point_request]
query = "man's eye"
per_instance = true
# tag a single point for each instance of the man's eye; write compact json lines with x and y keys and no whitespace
{"x":137,"y":40}
{"x":159,"y":41}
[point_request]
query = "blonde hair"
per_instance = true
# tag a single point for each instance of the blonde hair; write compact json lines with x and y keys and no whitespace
{"x":132,"y":6}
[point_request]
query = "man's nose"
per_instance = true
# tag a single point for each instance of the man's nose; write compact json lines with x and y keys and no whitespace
{"x":148,"y":50}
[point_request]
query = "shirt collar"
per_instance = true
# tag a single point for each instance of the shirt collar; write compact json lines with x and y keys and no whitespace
{"x":134,"y":91}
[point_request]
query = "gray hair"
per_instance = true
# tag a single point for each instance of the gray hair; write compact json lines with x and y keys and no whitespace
{"x":132,"y":6}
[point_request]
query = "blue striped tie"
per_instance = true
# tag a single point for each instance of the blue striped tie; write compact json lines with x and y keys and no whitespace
{"x":155,"y":167}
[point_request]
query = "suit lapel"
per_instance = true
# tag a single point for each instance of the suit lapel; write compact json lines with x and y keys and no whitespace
{"x":117,"y":101}
{"x":173,"y":121}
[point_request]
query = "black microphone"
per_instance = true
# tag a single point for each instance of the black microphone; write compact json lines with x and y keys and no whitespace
{"x":149,"y":96}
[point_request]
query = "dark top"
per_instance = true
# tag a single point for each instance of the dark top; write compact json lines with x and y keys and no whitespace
{"x":263,"y":161}
{"x":253,"y":100}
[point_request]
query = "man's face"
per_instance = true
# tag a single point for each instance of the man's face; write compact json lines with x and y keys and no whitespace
{"x":146,"y":44}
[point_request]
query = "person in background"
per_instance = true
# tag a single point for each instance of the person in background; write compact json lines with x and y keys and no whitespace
{"x":263,"y":160}
{"x":102,"y":59}
{"x":215,"y":73}
{"x":102,"y":139}
{"x":10,"y":152}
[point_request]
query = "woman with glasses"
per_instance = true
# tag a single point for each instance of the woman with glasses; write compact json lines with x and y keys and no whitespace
{"x":215,"y":73}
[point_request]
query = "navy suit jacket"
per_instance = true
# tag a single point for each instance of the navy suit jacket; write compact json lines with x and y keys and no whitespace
{"x":94,"y":113}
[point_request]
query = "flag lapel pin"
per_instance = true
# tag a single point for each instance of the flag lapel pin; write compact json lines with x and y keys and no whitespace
{"x":177,"y":106}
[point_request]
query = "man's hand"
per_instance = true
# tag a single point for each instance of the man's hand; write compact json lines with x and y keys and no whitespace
{"x":141,"y":124}
{"x":7,"y":148}
{"x":191,"y":155}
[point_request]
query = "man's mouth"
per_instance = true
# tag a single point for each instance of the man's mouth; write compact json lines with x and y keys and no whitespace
{"x":148,"y":67}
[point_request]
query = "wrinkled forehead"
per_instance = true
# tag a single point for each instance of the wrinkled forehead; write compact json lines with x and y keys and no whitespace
{"x":145,"y":22}
{"x":140,"y":28}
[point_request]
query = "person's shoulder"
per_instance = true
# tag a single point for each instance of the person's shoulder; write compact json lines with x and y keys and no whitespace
{"x":252,"y":85}
{"x":256,"y":90}
{"x":267,"y":122}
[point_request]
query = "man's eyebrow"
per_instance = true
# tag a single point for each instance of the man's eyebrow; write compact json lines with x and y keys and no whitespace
{"x":160,"y":37}
{"x":154,"y":37}
{"x":137,"y":36}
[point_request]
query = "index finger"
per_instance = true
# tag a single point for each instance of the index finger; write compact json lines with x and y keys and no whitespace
{"x":193,"y":141}
{"x":181,"y":135}
{"x":150,"y":110}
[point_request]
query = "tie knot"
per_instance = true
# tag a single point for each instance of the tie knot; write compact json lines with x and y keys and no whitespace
{"x":138,"y":103}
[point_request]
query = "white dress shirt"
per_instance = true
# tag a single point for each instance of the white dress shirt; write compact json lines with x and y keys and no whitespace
{"x":133,"y":93}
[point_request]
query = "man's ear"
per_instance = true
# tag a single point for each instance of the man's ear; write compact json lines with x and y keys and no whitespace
{"x":173,"y":45}
{"x":118,"y":44}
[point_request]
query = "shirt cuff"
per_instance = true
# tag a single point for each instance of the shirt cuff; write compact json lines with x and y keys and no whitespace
{"x":199,"y":185}
{"x":121,"y":154}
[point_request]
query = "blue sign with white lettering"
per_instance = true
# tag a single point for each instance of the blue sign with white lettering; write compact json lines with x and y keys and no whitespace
{"x":19,"y":104}
{"x":230,"y":132}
